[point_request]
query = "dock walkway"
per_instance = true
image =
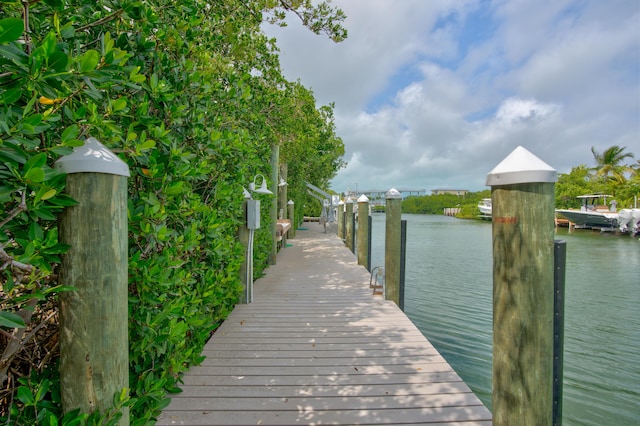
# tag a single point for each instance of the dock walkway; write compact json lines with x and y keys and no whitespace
{"x":316,"y":347}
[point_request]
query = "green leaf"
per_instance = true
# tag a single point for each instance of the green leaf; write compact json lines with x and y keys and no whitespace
{"x":35,"y":175}
{"x":43,"y":213}
{"x":89,"y":61}
{"x":63,"y":200}
{"x":11,"y":96}
{"x":42,"y":390}
{"x":25,"y":396}
{"x":119,"y":104}
{"x":11,"y":320}
{"x":61,"y":150}
{"x":35,"y":232}
{"x":70,"y":132}
{"x":50,"y":193}
{"x":148,"y":144}
{"x":55,"y":4}
{"x":37,"y":160}
{"x":58,"y":61}
{"x":10,"y":29}
{"x":175,"y":188}
{"x":60,"y":289}
{"x":10,"y":154}
{"x":14,"y":54}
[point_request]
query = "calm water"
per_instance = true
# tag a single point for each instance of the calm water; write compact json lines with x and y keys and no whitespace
{"x":448,"y":296}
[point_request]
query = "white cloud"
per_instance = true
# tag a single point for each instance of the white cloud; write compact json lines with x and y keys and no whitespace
{"x":435,"y":94}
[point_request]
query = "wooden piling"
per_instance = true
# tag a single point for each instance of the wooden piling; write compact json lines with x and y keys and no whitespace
{"x":392,"y":245}
{"x":363,"y":229}
{"x":341,"y":220}
{"x":349,"y":224}
{"x":522,"y":192}
{"x":94,"y":347}
{"x":294,"y":224}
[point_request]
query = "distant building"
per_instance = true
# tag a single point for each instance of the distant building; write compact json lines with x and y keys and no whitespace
{"x":449,"y":191}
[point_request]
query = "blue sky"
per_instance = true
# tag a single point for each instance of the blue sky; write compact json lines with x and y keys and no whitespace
{"x":434,"y":94}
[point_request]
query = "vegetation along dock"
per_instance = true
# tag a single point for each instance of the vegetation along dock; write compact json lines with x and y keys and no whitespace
{"x":317,"y":347}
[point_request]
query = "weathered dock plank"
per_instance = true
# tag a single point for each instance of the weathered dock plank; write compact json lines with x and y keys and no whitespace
{"x":316,"y":347}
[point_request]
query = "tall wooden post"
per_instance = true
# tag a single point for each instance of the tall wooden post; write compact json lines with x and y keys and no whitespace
{"x":275,"y":158}
{"x":522,"y":193}
{"x":94,"y":344}
{"x":341,"y":219}
{"x":349,"y":223}
{"x":363,"y":229}
{"x":392,"y":245}
{"x":294,"y":225}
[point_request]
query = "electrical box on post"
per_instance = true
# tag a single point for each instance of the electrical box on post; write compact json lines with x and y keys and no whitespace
{"x":253,"y":214}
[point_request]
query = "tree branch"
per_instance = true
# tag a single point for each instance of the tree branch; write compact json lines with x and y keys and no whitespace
{"x":101,"y":21}
{"x":22,"y":207}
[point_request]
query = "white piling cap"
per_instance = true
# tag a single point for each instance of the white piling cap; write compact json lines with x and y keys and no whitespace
{"x":92,"y":157}
{"x":290,"y":202}
{"x":363,"y":199}
{"x":340,"y":203}
{"x":349,"y":200}
{"x":521,"y":166}
{"x":393,"y":193}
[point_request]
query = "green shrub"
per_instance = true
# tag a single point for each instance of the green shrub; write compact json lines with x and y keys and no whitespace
{"x":191,"y":96}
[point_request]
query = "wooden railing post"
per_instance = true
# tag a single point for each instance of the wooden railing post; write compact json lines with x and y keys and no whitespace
{"x":94,"y":344}
{"x":363,"y":229}
{"x":522,"y":192}
{"x":349,"y":224}
{"x":392,"y":244}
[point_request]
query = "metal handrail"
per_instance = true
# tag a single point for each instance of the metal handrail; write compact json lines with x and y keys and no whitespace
{"x":376,"y":281}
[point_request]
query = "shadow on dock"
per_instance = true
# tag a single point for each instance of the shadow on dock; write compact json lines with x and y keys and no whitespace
{"x":317,"y":347}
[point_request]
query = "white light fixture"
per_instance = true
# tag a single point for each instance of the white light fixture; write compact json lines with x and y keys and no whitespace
{"x":263,"y":187}
{"x":245,"y":193}
{"x":282,"y":182}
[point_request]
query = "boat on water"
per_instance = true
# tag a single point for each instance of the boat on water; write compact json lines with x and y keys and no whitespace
{"x":595,"y":212}
{"x":485,"y":207}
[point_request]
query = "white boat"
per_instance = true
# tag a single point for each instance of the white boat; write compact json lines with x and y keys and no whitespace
{"x":593,"y":213}
{"x":485,"y":207}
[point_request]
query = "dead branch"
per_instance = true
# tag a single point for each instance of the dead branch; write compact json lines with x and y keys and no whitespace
{"x":22,"y":207}
{"x":14,"y":346}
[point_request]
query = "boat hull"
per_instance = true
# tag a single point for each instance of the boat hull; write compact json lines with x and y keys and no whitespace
{"x":590,"y":219}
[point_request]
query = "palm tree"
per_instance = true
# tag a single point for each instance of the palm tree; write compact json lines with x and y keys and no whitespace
{"x":609,"y":163}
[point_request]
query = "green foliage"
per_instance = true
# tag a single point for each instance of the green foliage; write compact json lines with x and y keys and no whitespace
{"x":610,"y":175}
{"x":37,"y":401}
{"x":435,"y":204}
{"x":191,"y":96}
{"x":320,"y":17}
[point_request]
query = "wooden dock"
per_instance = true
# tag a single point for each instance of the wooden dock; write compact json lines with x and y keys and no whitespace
{"x":316,"y":347}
